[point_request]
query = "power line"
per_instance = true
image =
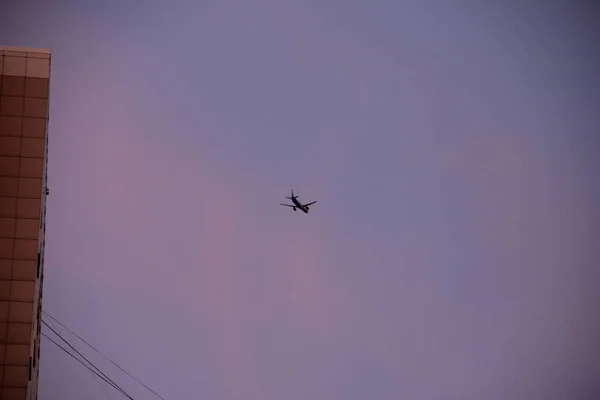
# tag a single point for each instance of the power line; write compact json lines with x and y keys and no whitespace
{"x":105,"y":357}
{"x":102,"y":387}
{"x":82,"y":363}
{"x":85,"y":358}
{"x":94,"y":375}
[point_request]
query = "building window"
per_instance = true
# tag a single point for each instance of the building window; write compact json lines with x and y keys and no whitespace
{"x":39,"y":316}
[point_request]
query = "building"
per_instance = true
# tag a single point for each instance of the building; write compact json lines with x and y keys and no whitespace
{"x":24,"y":86}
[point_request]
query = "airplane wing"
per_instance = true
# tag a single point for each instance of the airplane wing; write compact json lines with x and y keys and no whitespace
{"x":310,"y":203}
{"x":287,"y":205}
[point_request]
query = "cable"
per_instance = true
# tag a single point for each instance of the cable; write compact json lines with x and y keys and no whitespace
{"x":82,"y":363}
{"x":85,"y":358}
{"x":76,"y":359}
{"x":105,"y":357}
{"x":95,"y":377}
{"x":102,"y":387}
{"x":98,"y":372}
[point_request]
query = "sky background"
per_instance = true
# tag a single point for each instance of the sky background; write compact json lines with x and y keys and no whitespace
{"x":453,"y":150}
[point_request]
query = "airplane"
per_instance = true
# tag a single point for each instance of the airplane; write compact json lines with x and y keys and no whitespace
{"x":297,"y":204}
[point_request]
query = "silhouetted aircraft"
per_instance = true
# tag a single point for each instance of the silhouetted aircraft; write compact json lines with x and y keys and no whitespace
{"x":297,"y":204}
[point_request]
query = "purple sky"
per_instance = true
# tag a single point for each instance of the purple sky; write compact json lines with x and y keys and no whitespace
{"x":453,"y":151}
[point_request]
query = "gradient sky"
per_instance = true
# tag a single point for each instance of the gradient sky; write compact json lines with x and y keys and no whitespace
{"x":453,"y":150}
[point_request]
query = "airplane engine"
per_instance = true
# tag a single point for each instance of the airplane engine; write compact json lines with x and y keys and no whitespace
{"x":307,"y":208}
{"x":294,"y":208}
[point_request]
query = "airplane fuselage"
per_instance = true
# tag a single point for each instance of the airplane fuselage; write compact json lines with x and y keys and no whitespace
{"x":299,"y":205}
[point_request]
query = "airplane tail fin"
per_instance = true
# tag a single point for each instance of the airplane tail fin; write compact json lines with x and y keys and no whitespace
{"x":292,"y":195}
